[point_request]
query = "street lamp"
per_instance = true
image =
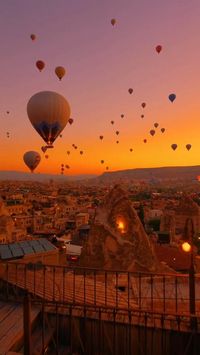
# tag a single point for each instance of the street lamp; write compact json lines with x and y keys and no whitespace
{"x":189,"y":248}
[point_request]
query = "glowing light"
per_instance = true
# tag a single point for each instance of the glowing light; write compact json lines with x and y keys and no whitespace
{"x":121,"y":225}
{"x":186,"y":247}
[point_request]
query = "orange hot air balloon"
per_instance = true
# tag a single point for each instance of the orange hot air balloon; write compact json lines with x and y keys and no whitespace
{"x":174,"y":146}
{"x":152,"y":132}
{"x":113,"y":21}
{"x":101,"y":137}
{"x":162,"y":130}
{"x":117,"y":132}
{"x":143,"y":104}
{"x":130,"y":90}
{"x":188,"y":146}
{"x":60,"y":72}
{"x":145,"y":140}
{"x":33,"y":37}
{"x":158,"y":48}
{"x":142,"y":116}
{"x":122,"y":115}
{"x":71,"y":120}
{"x":40,"y":65}
{"x":156,"y":125}
{"x":112,"y":122}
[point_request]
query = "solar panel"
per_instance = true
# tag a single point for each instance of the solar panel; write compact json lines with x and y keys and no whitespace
{"x":47,"y":245}
{"x":27,"y":249}
{"x":36,"y":246}
{"x":5,"y":252}
{"x":16,"y":250}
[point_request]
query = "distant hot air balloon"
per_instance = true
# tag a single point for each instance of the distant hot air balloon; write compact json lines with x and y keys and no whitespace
{"x":62,"y":165}
{"x":101,"y":137}
{"x":113,"y":21}
{"x":60,"y":135}
{"x":188,"y":146}
{"x":75,"y":147}
{"x":102,"y":161}
{"x":60,"y":72}
{"x":158,"y":48}
{"x":172,"y":97}
{"x":48,"y":113}
{"x":130,"y":91}
{"x":32,"y":159}
{"x":40,"y":65}
{"x":107,"y":168}
{"x":174,"y":146}
{"x":67,"y":166}
{"x":46,"y":156}
{"x":122,"y":115}
{"x":117,"y":142}
{"x":44,"y":148}
{"x":162,"y":130}
{"x":71,"y":120}
{"x":81,"y":152}
{"x":68,"y":152}
{"x":143,"y":104}
{"x":142,"y":116}
{"x":7,"y":112}
{"x":152,"y":132}
{"x":33,"y":37}
{"x":145,"y":140}
{"x":131,"y":149}
{"x":112,"y":122}
{"x":156,"y":125}
{"x":117,"y":132}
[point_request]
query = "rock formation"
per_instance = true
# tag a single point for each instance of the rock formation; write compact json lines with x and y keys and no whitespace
{"x":117,"y":240}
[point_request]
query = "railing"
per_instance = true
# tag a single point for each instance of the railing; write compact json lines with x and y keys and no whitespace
{"x":165,"y":293}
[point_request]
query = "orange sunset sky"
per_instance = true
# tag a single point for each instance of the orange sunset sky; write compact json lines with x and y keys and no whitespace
{"x":102,"y":62}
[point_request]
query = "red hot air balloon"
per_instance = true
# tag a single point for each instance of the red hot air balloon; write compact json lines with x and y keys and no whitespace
{"x":158,"y":48}
{"x":122,"y":115}
{"x":130,"y":90}
{"x":131,"y":149}
{"x":152,"y":132}
{"x":174,"y":146}
{"x":102,"y":161}
{"x":142,"y":116}
{"x":81,"y":152}
{"x":101,"y":137}
{"x":143,"y":104}
{"x":145,"y":140}
{"x":117,"y":132}
{"x":156,"y":125}
{"x":67,"y":166}
{"x":71,"y":120}
{"x":46,"y":156}
{"x":33,"y":37}
{"x":117,"y":142}
{"x":188,"y":146}
{"x":162,"y":130}
{"x":40,"y":65}
{"x":112,"y":122}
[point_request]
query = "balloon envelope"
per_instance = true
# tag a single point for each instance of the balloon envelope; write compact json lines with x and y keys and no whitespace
{"x":49,"y":113}
{"x":40,"y":65}
{"x":33,"y":37}
{"x":156,"y":125}
{"x":158,"y":48}
{"x":113,"y":21}
{"x":162,"y":130}
{"x":188,"y":146}
{"x":32,"y":159}
{"x":174,"y":146}
{"x":130,"y":91}
{"x":60,"y":72}
{"x":152,"y":132}
{"x":172,"y":97}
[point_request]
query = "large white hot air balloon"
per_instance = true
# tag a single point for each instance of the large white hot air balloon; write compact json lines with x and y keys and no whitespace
{"x":49,"y":113}
{"x":32,"y":159}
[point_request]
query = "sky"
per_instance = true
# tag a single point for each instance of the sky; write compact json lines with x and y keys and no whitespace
{"x":102,"y":62}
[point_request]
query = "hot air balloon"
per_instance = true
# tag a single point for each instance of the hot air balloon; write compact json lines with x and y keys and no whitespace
{"x":188,"y":146}
{"x":131,"y":149}
{"x":152,"y":132}
{"x":44,"y":148}
{"x":60,"y":135}
{"x":117,"y":132}
{"x":142,"y":116}
{"x":117,"y":142}
{"x":113,"y":21}
{"x":122,"y":115}
{"x":7,"y":112}
{"x":68,"y":152}
{"x":75,"y":147}
{"x":32,"y":159}
{"x":46,"y":156}
{"x":158,"y":48}
{"x":130,"y":91}
{"x":101,"y":137}
{"x":67,"y":166}
{"x":156,"y":125}
{"x":107,"y":168}
{"x":102,"y":161}
{"x":145,"y":140}
{"x":143,"y":104}
{"x":71,"y":120}
{"x":162,"y":130}
{"x":81,"y":152}
{"x":33,"y":37}
{"x":62,"y":165}
{"x":48,"y":112}
{"x":40,"y":65}
{"x":112,"y":122}
{"x":174,"y":146}
{"x":60,"y":72}
{"x":172,"y":97}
